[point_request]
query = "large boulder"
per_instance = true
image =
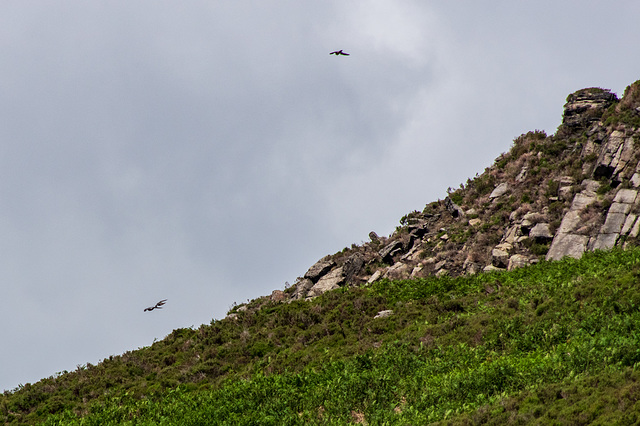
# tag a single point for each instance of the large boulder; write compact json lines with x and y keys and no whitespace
{"x":352,"y":266}
{"x":390,"y":250}
{"x":302,"y":288}
{"x":517,"y":261}
{"x":499,"y":190}
{"x":331,"y":281}
{"x":499,"y":257}
{"x":541,"y":233}
{"x":565,"y":244}
{"x":320,"y":268}
{"x":398,"y":271}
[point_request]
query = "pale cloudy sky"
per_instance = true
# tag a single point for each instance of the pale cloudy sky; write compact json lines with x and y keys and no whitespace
{"x":208,"y":151}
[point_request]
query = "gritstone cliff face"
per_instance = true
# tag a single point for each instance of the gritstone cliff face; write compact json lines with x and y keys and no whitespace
{"x":548,"y":197}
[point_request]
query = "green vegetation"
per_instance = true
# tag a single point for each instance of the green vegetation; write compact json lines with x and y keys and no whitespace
{"x":552,"y":343}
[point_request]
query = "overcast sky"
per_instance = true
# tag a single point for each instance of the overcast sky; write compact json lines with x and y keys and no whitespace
{"x":209,"y":151}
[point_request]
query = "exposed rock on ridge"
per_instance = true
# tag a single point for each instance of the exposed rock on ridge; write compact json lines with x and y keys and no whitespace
{"x":547,"y":198}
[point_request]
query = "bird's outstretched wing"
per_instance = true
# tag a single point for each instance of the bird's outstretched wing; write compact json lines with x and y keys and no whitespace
{"x":157,"y":306}
{"x":339,"y":52}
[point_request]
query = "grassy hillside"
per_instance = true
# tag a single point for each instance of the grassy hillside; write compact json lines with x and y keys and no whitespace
{"x":553,"y":342}
{"x":547,"y":343}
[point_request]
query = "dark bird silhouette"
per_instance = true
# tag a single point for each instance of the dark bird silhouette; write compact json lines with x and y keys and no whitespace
{"x":339,"y":52}
{"x":158,"y":305}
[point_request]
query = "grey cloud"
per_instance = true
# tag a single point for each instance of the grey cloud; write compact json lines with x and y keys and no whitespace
{"x":206,"y":153}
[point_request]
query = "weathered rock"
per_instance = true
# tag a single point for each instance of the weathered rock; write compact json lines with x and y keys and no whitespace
{"x":529,"y":220}
{"x":622,"y":208}
{"x":352,"y":266}
{"x":413,"y":254}
{"x":613,"y":223}
{"x":565,"y":191}
{"x":523,"y":174}
{"x":441,"y":273}
{"x":635,"y":229}
{"x":585,"y":107}
{"x":491,"y":268}
{"x":499,"y":190}
{"x":499,"y":258}
{"x":375,"y":277}
{"x":570,"y":222}
{"x":302,"y":288}
{"x":390,"y":250}
{"x":416,"y":270}
{"x":512,"y":234}
{"x":564,"y":244}
{"x":384,"y":314}
{"x":440,"y":264}
{"x":505,"y":246}
{"x":470,"y":267}
{"x":582,"y":200}
{"x":330,"y":281}
{"x":517,"y":261}
{"x":628,"y":224}
{"x":627,"y":196}
{"x":453,"y":208}
{"x":319,"y":269}
{"x":541,"y":233}
{"x":614,"y":157}
{"x":397,"y":271}
{"x":475,"y":222}
{"x":567,"y":181}
{"x":590,"y":186}
{"x":278,"y":296}
{"x":417,"y":230}
{"x":605,"y":241}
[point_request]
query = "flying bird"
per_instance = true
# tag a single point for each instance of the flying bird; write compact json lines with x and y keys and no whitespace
{"x":158,"y":305}
{"x":338,"y":53}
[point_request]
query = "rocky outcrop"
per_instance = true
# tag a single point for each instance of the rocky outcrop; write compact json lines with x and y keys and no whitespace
{"x":549,"y":197}
{"x":569,"y":241}
{"x":615,"y":158}
{"x":618,"y":215}
{"x":392,"y":249}
{"x":319,"y":269}
{"x":330,"y":281}
{"x":586,"y":106}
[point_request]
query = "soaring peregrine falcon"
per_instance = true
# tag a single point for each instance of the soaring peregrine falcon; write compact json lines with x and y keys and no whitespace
{"x":339,"y":52}
{"x":158,"y":305}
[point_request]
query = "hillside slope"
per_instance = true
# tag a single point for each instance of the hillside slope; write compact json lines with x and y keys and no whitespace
{"x":553,"y":343}
{"x":413,"y":331}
